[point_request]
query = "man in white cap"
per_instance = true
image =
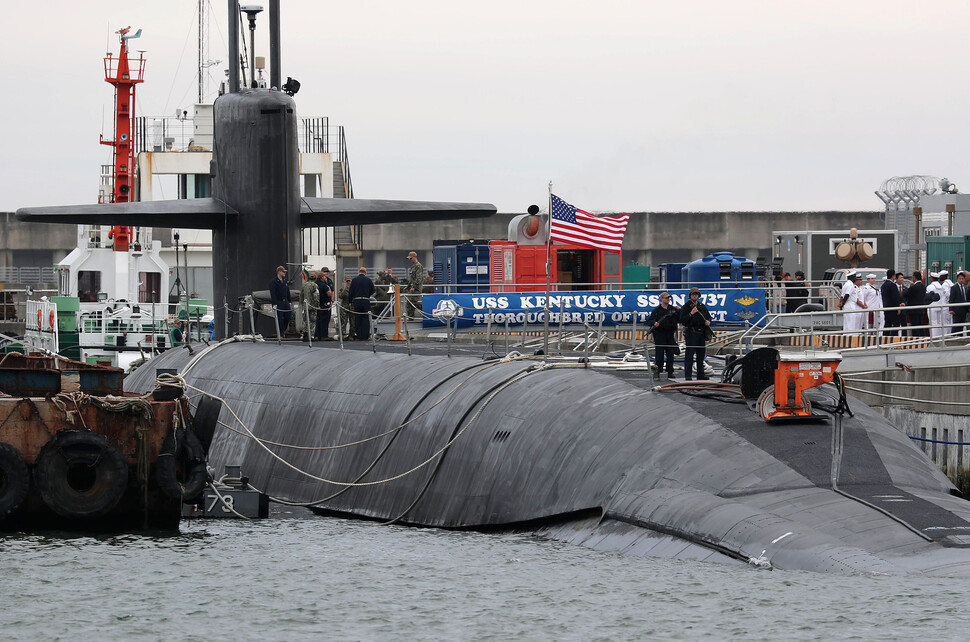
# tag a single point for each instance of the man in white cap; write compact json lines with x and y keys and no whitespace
{"x":947,"y":286}
{"x":872,"y":297}
{"x":851,"y":301}
{"x":934,"y":296}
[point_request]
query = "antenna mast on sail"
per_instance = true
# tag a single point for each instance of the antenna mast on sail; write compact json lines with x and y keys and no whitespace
{"x":203,"y":62}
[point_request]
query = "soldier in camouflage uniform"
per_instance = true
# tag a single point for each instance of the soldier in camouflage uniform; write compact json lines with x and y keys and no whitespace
{"x":309,"y":303}
{"x":383,"y":282}
{"x":415,"y":283}
{"x":346,"y":317}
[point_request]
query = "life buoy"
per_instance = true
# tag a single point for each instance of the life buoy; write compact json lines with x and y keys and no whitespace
{"x":51,"y":320}
{"x":81,"y":474}
{"x":40,"y":320}
{"x":14,"y":480}
{"x":181,"y":471}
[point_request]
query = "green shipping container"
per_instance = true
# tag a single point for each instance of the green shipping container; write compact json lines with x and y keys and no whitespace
{"x":67,"y":303}
{"x":636,"y":277}
{"x":947,"y":253}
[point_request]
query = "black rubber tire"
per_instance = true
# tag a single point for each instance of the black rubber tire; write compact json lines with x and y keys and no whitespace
{"x":81,"y":474}
{"x":205,"y":420}
{"x":14,"y":480}
{"x":181,"y":470}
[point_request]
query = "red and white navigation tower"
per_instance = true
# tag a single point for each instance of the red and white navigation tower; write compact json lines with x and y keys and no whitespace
{"x":123,"y":75}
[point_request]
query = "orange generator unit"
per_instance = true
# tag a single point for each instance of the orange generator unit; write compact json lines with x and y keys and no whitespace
{"x":796,"y":373}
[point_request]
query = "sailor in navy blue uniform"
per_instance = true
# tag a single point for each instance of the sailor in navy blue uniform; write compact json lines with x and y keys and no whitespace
{"x":696,"y":320}
{"x":663,"y":323}
{"x":279,"y":295}
{"x":361,"y":290}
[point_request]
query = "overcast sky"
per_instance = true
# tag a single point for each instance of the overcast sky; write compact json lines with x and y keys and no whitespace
{"x":636,"y":105}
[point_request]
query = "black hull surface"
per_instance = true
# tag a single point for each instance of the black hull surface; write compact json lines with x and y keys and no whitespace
{"x":584,"y":455}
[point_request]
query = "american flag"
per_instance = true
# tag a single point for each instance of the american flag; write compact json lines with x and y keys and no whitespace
{"x":576,"y":227}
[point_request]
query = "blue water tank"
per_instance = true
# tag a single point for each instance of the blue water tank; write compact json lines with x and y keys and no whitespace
{"x":720,"y":269}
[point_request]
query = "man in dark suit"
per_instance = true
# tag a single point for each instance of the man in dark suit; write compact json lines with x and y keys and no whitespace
{"x":360,"y":292}
{"x":892,"y":297}
{"x":916,"y":295}
{"x":958,"y":295}
{"x":795,"y":292}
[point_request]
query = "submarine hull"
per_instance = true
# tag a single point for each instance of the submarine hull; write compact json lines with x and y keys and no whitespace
{"x":580,"y":454}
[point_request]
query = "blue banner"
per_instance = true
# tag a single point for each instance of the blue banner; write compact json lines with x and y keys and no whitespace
{"x":614,"y":307}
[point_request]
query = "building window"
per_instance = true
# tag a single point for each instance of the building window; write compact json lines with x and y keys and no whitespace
{"x":88,"y":286}
{"x":149,"y":287}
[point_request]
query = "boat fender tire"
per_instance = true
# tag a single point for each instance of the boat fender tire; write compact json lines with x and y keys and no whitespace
{"x":205,"y":419}
{"x":181,"y":471}
{"x":14,"y":480}
{"x":81,"y":474}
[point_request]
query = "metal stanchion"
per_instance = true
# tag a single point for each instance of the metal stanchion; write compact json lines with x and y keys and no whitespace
{"x":448,"y":330}
{"x":373,"y":329}
{"x":309,"y":332}
{"x":560,"y":326}
{"x":340,"y":325}
{"x":633,"y":337}
{"x":407,"y":336}
{"x":506,"y":334}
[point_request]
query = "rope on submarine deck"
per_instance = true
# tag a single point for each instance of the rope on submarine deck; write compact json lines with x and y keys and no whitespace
{"x":396,"y":431}
{"x":495,"y":390}
{"x":269,"y":442}
{"x":248,"y":433}
{"x":897,"y":397}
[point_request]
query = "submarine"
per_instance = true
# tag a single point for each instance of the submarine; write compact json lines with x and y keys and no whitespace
{"x":597,"y":456}
{"x":588,"y":454}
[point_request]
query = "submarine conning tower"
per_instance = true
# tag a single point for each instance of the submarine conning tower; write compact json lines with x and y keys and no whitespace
{"x":266,"y":231}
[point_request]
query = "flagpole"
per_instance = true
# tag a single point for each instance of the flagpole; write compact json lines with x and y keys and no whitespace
{"x":545,"y":331}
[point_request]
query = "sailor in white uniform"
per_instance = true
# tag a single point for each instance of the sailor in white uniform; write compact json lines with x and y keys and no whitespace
{"x":851,"y":301}
{"x":935,"y":311}
{"x":872,"y":297}
{"x":946,"y":286}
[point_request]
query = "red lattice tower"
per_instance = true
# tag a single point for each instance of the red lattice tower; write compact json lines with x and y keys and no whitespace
{"x":123,"y":74}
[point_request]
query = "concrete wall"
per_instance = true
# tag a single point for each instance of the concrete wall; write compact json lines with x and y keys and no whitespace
{"x":33,"y":244}
{"x":930,"y":411}
{"x":651,"y":238}
{"x":950,"y":457}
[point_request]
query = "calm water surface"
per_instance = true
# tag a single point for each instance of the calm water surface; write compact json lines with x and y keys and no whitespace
{"x":302,"y":577}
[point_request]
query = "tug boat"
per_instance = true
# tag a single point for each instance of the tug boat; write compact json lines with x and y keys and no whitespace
{"x":109,"y":309}
{"x":77,"y":453}
{"x":113,"y":297}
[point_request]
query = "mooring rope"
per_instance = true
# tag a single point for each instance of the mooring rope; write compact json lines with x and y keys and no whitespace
{"x":247,"y":432}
